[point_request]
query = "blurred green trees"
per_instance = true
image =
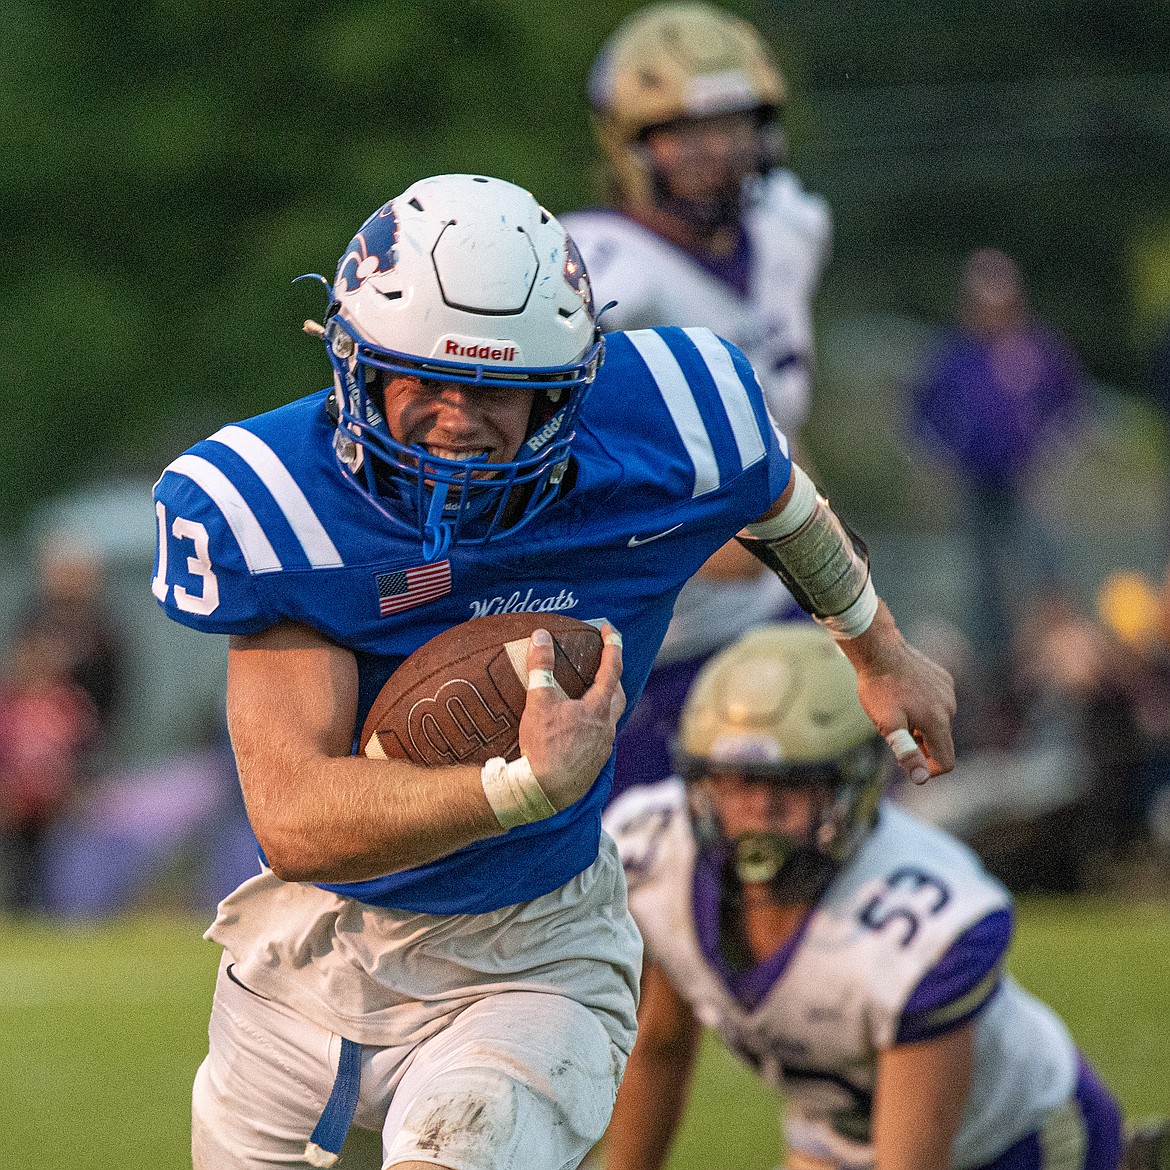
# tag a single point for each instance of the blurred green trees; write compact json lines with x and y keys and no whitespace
{"x":169,"y":167}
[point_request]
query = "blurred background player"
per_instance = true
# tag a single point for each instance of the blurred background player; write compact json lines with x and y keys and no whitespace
{"x":705,"y":226}
{"x":49,"y":728}
{"x":1000,"y":393}
{"x":850,"y":954}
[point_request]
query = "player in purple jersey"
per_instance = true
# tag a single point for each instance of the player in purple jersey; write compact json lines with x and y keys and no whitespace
{"x":445,"y":955}
{"x":851,"y":955}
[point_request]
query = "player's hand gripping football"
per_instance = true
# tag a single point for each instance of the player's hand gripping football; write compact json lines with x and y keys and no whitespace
{"x":567,"y":741}
{"x":909,"y":697}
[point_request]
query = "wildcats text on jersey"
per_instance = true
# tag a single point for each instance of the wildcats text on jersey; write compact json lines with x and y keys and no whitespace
{"x":529,"y":602}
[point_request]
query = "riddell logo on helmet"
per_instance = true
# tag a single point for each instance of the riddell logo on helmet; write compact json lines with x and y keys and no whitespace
{"x":477,"y":349}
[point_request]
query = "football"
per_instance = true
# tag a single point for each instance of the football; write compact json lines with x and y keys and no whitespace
{"x":458,"y":698}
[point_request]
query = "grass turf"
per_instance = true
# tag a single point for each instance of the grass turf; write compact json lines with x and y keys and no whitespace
{"x":102,"y":1028}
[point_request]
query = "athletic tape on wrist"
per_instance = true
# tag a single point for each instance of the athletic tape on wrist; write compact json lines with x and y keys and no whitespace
{"x":828,"y":573}
{"x":857,"y":618}
{"x":514,"y":792}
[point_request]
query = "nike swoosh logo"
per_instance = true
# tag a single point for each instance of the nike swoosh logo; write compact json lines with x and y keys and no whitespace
{"x":634,"y":541}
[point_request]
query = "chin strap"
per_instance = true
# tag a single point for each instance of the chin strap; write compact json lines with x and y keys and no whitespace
{"x":436,"y":531}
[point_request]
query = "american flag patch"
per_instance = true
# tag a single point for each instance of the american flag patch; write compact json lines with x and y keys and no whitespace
{"x":406,"y":588}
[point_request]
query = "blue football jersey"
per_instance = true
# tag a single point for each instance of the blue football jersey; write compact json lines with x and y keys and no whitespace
{"x":262,"y":523}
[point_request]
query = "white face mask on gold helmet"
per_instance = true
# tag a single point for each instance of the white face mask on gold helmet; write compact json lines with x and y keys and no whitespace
{"x":780,"y":706}
{"x":671,"y":62}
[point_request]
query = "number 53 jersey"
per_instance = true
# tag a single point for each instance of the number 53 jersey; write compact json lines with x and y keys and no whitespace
{"x":907,"y":943}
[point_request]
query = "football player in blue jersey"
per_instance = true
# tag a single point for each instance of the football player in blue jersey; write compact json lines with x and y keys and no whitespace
{"x":848,"y":953}
{"x":444,"y":954}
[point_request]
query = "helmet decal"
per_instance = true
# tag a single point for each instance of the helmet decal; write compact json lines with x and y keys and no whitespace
{"x":372,"y":252}
{"x":575,"y":274}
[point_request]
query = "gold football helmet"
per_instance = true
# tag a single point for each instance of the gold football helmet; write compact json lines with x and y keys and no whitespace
{"x":780,"y":706}
{"x":669,"y":62}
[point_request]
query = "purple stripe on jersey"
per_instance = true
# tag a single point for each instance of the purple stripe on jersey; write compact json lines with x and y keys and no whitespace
{"x":749,"y":987}
{"x":734,"y":270}
{"x":1101,"y":1117}
{"x":971,"y":958}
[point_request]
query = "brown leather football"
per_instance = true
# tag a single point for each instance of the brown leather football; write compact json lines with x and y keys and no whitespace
{"x":458,"y":698}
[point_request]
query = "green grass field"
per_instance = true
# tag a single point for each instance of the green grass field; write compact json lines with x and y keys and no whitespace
{"x":102,"y":1027}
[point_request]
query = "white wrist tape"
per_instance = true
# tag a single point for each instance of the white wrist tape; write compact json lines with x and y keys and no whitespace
{"x":514,"y":793}
{"x":857,"y":618}
{"x":814,"y":555}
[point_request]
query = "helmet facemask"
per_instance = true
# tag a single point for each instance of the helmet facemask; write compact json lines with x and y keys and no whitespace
{"x":723,"y":206}
{"x":784,"y":769}
{"x":407,"y":296}
{"x":795,"y":863}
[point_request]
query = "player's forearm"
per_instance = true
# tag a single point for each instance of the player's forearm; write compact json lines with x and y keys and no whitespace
{"x":824,"y":565}
{"x":877,"y":649}
{"x":319,"y":813}
{"x":351,"y":819}
{"x":921,"y":1091}
{"x":910,"y":699}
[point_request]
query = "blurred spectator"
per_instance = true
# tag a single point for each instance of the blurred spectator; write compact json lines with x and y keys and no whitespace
{"x":996,"y":392}
{"x":48,"y":723}
{"x":706,"y":226}
{"x":174,"y":829}
{"x":70,"y":602}
{"x":1071,"y":680}
{"x":1078,"y":783}
{"x":1138,"y":616}
{"x":1158,"y":379}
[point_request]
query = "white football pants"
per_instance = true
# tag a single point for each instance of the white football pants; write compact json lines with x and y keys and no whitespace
{"x":517,"y":1081}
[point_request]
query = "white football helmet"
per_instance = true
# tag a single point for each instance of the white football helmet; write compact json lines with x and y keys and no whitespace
{"x":461,"y":278}
{"x":780,"y":706}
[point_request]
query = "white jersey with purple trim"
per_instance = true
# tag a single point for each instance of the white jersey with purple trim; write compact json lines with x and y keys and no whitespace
{"x":788,"y":236}
{"x":815,"y":1029}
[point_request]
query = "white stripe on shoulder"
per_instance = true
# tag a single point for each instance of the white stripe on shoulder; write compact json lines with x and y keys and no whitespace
{"x":672,"y":382}
{"x":734,"y":394}
{"x":261,"y":458}
{"x":258,"y":552}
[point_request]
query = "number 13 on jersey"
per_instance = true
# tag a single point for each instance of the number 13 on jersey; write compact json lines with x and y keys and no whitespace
{"x":198,"y":565}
